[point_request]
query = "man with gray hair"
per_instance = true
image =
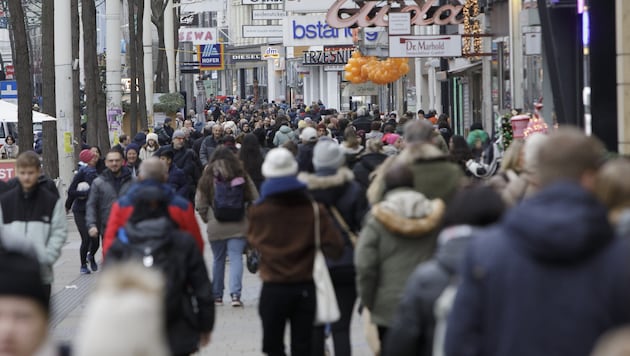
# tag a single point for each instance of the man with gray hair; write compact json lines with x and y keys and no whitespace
{"x":551,"y":277}
{"x":434,"y":175}
{"x":153,"y":174}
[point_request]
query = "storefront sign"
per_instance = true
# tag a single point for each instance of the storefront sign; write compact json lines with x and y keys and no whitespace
{"x":211,"y":56}
{"x":245,"y":57}
{"x":370,"y":15}
{"x":312,"y":30}
{"x":189,"y":20}
{"x":399,"y":23}
{"x":251,"y":31}
{"x":425,"y":46}
{"x":364,"y":89}
{"x":333,"y":68}
{"x":200,"y":35}
{"x":268,"y":14}
{"x":270,"y":52}
{"x":7,"y":169}
{"x":334,"y":55}
{"x":312,"y":5}
{"x":200,"y":5}
{"x":260,"y":2}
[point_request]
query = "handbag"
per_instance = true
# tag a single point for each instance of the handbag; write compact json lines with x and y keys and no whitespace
{"x":327,"y":309}
{"x":252,"y":257}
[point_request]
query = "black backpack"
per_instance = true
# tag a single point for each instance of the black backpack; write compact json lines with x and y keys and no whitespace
{"x":229,"y":199}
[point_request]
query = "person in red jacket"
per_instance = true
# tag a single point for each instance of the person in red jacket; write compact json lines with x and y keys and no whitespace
{"x":153,"y":174}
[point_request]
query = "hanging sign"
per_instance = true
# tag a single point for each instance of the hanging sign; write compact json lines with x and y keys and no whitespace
{"x":371,"y":15}
{"x":199,"y":35}
{"x":425,"y":46}
{"x":211,"y":56}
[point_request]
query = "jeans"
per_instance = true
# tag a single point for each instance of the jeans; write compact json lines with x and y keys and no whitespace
{"x":234,"y":248}
{"x":87,"y":243}
{"x":280,"y":302}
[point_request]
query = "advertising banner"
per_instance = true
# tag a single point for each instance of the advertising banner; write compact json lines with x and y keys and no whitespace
{"x":425,"y":46}
{"x":312,"y":30}
{"x":210,"y":56}
{"x":313,"y":5}
{"x":199,"y":35}
{"x":265,"y":31}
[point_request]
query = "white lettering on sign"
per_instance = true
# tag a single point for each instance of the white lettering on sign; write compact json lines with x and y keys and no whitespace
{"x":443,"y":15}
{"x":9,"y":91}
{"x":7,"y":173}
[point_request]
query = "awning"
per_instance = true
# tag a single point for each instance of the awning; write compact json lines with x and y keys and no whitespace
{"x":464,"y":68}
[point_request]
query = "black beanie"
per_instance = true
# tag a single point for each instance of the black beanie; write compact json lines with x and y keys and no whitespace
{"x":20,"y":275}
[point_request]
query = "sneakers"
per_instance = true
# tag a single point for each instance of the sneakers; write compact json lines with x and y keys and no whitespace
{"x":92,"y":261}
{"x":236,"y":301}
{"x":218,"y":302}
{"x":84,"y":269}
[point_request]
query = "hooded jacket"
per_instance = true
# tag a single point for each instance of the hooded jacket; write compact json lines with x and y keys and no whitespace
{"x":412,"y":330}
{"x":365,"y":166}
{"x":341,"y":191}
{"x":399,"y":233}
{"x":283,"y":135}
{"x":434,"y":175}
{"x":185,"y":322}
{"x":104,"y":191}
{"x":550,"y":279}
{"x":179,"y":209}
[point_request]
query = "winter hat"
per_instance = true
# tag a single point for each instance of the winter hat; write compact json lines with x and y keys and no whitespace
{"x":140,"y":138}
{"x":127,"y":305}
{"x":86,"y":156}
{"x":328,"y":154}
{"x":279,"y":162}
{"x":308,"y":134}
{"x":132,"y":147}
{"x":390,"y":138}
{"x":179,"y":134}
{"x":168,"y":120}
{"x":152,"y":136}
{"x":20,"y":276}
{"x":302,"y":124}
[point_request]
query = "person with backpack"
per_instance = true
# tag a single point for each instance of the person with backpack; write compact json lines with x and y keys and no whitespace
{"x":225,"y":190}
{"x":152,"y":238}
{"x":180,"y":210}
{"x":333,"y":185}
{"x":412,"y":329}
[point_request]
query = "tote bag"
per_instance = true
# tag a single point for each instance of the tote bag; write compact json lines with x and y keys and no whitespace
{"x":327,"y":310}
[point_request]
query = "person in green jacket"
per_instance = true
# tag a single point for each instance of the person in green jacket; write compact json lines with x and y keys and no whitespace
{"x":399,"y":233}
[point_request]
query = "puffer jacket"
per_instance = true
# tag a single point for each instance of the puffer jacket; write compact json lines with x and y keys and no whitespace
{"x":412,"y":329}
{"x":339,"y":190}
{"x":77,"y":200}
{"x":38,"y":217}
{"x":104,"y":191}
{"x":399,"y":233}
{"x":365,"y":166}
{"x":284,"y":135}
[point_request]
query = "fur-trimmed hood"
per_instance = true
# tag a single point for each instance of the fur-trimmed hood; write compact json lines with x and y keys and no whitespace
{"x":316,"y":182}
{"x":408,"y":213}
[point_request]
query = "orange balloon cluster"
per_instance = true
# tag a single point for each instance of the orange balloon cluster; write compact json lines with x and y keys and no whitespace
{"x":360,"y":69}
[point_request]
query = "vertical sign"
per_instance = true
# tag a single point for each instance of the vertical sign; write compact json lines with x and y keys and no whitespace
{"x":211,"y":56}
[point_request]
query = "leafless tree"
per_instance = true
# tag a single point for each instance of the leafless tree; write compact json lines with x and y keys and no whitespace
{"x":22,"y":64}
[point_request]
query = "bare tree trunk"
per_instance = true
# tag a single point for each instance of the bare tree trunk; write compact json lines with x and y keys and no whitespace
{"x":51,"y":161}
{"x":76,"y":93}
{"x":161,"y":73}
{"x":101,"y":118}
{"x":90,"y":62}
{"x":49,"y":105}
{"x":142,"y":102}
{"x":22,"y":63}
{"x":133,"y":65}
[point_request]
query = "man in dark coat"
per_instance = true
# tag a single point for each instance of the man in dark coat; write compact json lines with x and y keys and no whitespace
{"x":186,"y":160}
{"x":363,"y":120}
{"x":552,"y":277}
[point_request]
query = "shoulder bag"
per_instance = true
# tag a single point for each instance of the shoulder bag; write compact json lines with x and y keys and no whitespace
{"x":327,"y":309}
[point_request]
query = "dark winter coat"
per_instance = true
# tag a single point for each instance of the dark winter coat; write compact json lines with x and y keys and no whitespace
{"x":363,"y":123}
{"x":104,"y":191}
{"x":185,"y":322}
{"x":208,"y":145}
{"x":178,"y":180}
{"x":365,"y":166}
{"x":77,"y":200}
{"x":550,"y":279}
{"x":339,"y":190}
{"x":411,"y":331}
{"x":305,"y":157}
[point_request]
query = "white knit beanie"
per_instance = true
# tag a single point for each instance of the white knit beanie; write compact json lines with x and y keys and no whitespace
{"x":279,"y":162}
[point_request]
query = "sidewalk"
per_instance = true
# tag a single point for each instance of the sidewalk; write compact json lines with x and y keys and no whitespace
{"x":237,"y":331}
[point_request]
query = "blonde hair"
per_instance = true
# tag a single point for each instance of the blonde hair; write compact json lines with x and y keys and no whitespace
{"x":512,"y":157}
{"x":612,"y":186}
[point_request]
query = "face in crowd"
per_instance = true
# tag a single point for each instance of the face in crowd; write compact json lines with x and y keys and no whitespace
{"x":114,"y":161}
